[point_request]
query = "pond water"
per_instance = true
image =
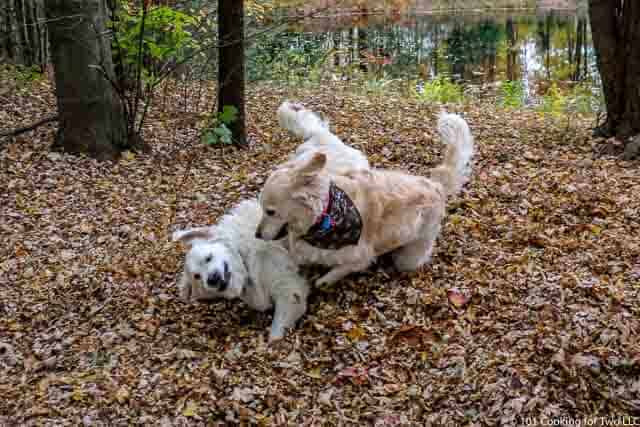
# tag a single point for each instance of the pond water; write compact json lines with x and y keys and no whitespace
{"x":534,"y":49}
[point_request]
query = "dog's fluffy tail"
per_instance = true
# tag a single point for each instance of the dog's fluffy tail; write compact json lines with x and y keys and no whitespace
{"x":300,"y":121}
{"x":455,"y":168}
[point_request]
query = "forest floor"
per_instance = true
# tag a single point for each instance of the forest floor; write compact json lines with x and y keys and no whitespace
{"x":545,"y":240}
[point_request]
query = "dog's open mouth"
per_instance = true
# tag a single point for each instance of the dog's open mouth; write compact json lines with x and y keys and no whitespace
{"x":283,"y":232}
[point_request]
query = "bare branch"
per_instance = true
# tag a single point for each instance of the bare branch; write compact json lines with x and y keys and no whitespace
{"x":19,"y":131}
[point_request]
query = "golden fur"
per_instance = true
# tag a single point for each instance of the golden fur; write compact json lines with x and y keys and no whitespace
{"x":401,"y":213}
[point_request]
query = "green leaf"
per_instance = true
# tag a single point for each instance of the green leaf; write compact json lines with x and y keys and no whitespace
{"x":223,"y":134}
{"x":228,"y":114}
{"x":210,"y":138}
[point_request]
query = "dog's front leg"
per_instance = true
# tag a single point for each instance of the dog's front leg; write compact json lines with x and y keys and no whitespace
{"x":184,"y":287}
{"x":287,"y":312}
{"x":339,"y":272}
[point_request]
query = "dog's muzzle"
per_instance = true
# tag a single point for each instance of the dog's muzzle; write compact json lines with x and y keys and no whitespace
{"x":283,"y":232}
{"x":219,"y":281}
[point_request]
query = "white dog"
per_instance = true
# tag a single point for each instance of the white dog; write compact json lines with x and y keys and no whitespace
{"x":318,"y":138}
{"x":346,"y":221}
{"x":226,"y":260}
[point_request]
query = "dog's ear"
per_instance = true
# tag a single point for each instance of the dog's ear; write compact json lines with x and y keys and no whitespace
{"x":189,"y":235}
{"x":313,"y":165}
{"x":307,"y":200}
{"x":303,"y":198}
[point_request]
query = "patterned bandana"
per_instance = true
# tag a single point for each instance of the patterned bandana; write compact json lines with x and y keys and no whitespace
{"x":339,"y":225}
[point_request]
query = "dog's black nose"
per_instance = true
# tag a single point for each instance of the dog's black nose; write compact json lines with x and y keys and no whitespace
{"x":258,"y":234}
{"x":214,"y":280}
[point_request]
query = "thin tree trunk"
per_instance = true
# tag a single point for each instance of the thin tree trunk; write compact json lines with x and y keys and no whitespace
{"x":511,"y":50}
{"x":20,"y":33}
{"x":15,"y":41}
{"x":231,"y":63}
{"x":92,"y":120}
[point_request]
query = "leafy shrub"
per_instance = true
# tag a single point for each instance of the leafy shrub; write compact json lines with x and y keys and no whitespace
{"x":583,"y":99}
{"x":377,"y":85}
{"x":511,"y":94}
{"x":19,"y":75}
{"x":554,"y":102}
{"x":441,"y":90}
{"x":162,"y":37}
{"x":217,"y":131}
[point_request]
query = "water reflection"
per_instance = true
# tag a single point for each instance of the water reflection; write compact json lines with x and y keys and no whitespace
{"x":535,"y":50}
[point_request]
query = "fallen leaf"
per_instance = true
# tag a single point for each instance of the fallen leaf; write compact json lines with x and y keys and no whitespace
{"x":122,"y":395}
{"x":190,"y":409}
{"x":457,"y":298}
{"x":242,"y":394}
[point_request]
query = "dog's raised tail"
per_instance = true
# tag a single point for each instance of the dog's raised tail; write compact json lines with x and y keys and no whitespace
{"x":454,"y":170}
{"x":299,"y":121}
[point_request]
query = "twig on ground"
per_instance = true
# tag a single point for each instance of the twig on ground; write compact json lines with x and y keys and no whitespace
{"x":100,"y":307}
{"x":19,"y":131}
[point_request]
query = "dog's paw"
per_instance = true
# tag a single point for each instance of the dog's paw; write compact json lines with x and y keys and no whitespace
{"x":184,"y":291}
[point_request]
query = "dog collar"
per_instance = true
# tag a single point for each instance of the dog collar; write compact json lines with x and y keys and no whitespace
{"x":339,"y":225}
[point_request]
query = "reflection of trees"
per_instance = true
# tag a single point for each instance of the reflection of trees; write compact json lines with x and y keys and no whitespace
{"x":363,"y":46}
{"x":477,"y":45}
{"x":472,"y":48}
{"x":578,"y":52}
{"x":563,"y":44}
{"x":544,"y":41}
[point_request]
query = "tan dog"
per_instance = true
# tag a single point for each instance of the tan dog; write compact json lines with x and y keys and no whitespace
{"x":345,"y":221}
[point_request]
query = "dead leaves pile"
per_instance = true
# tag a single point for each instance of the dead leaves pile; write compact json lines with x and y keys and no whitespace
{"x":530,"y":307}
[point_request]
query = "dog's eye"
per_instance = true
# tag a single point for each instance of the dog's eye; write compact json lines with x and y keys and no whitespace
{"x":208,"y":259}
{"x":271,"y":212}
{"x":196,"y":276}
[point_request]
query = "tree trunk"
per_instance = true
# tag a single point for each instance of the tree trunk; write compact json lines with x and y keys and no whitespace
{"x":231,"y":63}
{"x":615,"y":27}
{"x":92,"y":119}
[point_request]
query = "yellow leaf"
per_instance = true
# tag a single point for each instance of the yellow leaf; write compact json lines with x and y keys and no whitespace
{"x":128,"y":155}
{"x":595,"y":229}
{"x":315,"y":373}
{"x":191,"y":409}
{"x":356,"y":333}
{"x":455,"y":219}
{"x":77,"y":394}
{"x":122,"y":394}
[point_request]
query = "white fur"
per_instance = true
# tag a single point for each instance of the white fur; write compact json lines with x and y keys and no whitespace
{"x":318,"y":138}
{"x":261,"y":273}
{"x":454,"y":171}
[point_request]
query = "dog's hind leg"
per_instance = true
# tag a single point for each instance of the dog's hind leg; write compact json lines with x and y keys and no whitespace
{"x":414,"y":255}
{"x":417,"y":253}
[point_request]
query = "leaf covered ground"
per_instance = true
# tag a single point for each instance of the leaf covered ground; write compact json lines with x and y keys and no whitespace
{"x":544,"y":243}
